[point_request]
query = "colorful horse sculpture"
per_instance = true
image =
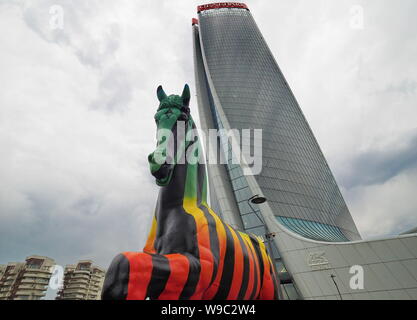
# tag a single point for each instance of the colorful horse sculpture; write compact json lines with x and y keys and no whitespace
{"x":190,"y":252}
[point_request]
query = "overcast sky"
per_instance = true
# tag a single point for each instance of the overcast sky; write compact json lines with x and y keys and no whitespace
{"x":77,"y":106}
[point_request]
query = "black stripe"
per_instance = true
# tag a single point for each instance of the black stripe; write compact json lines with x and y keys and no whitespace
{"x":160,"y":275}
{"x":193,"y":277}
{"x":228,"y":267}
{"x":246,"y":267}
{"x":173,"y":220}
{"x":176,"y":142}
{"x":180,"y":140}
{"x":201,"y":174}
{"x":116,"y":280}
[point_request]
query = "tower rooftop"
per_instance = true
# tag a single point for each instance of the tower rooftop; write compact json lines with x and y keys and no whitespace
{"x":220,"y":5}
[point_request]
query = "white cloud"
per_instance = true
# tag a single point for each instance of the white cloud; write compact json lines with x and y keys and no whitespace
{"x":388,"y":208}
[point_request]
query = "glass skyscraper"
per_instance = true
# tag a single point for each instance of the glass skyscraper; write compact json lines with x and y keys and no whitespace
{"x":235,"y":67}
{"x":240,"y":83}
{"x":240,"y":86}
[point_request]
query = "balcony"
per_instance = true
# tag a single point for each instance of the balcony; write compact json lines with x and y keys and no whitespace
{"x":73,"y":296}
{"x":75,"y":288}
{"x":43,"y":282}
{"x":31,"y":274}
{"x":77,"y":285}
{"x":83,"y":276}
{"x":98,"y":275}
{"x":27,"y":280}
{"x":79,"y":281}
{"x":35,"y":286}
{"x":74,"y":293}
{"x":30,"y":292}
{"x":41,"y":270}
{"x":82,"y":271}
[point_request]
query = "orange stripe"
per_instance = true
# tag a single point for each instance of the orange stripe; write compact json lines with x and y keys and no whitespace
{"x":179,"y":267}
{"x":238,"y":268}
{"x":140,"y":272}
{"x":221,"y":233}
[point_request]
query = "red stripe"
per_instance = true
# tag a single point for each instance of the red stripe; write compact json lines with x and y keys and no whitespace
{"x":140,"y":273}
{"x":179,"y":267}
{"x":267,"y":292}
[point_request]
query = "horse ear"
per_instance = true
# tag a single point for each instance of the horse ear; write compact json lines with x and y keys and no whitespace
{"x":186,"y":96}
{"x":160,"y":93}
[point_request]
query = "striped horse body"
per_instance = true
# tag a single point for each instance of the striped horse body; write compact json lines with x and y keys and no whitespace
{"x":190,"y":252}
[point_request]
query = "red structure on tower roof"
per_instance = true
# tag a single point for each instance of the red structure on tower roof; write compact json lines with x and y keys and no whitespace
{"x":220,"y":5}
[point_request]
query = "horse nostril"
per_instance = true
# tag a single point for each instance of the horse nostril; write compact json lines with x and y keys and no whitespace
{"x":163,"y":138}
{"x":183,"y":117}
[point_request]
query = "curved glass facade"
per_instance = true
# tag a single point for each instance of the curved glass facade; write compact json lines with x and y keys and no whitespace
{"x":313,"y":230}
{"x":234,"y":64}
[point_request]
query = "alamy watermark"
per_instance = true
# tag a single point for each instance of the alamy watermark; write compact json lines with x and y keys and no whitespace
{"x":57,"y":278}
{"x":357,"y":281}
{"x":356,"y":20}
{"x":56,"y":20}
{"x":242,"y":147}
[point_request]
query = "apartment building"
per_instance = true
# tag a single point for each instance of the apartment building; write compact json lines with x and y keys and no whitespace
{"x":83,"y":281}
{"x":25,"y":280}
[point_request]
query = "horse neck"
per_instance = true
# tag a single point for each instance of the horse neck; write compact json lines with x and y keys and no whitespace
{"x":188,"y":185}
{"x":187,"y":188}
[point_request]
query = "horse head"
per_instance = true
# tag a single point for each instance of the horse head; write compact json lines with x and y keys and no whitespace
{"x":173,"y":112}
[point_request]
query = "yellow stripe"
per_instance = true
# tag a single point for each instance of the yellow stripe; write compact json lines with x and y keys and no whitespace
{"x":150,"y":243}
{"x":203,"y":238}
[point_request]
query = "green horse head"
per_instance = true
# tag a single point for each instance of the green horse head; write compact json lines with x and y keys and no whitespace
{"x":173,"y":114}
